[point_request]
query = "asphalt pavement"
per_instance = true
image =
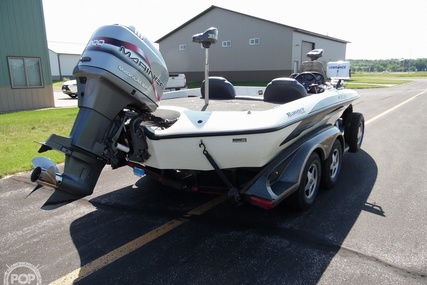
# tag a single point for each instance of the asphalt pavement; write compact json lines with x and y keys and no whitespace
{"x":369,"y":229}
{"x":62,"y":100}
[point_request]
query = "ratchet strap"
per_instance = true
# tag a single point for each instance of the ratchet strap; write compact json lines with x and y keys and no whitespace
{"x":232,"y":190}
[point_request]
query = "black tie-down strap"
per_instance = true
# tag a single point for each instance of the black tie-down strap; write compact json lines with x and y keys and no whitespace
{"x":232,"y":190}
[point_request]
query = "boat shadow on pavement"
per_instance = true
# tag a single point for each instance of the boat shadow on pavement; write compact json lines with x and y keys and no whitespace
{"x":228,"y":244}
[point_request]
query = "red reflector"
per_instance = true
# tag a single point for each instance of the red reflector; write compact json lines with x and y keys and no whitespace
{"x":194,"y":188}
{"x":266,"y":204}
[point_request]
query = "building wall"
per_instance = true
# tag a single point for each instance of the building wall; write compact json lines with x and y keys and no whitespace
{"x":272,"y":55}
{"x":22,"y":34}
{"x":332,"y":50}
{"x":25,"y":99}
{"x":62,"y":64}
{"x":68,"y":62}
{"x":279,"y":53}
{"x":54,"y":65}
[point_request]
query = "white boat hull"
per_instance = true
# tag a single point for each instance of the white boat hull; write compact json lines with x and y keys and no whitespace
{"x":240,"y":138}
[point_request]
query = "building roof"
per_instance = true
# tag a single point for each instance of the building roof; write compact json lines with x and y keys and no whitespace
{"x":216,"y":7}
{"x":66,"y":48}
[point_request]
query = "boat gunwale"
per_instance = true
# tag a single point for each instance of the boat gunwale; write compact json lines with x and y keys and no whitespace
{"x":152,"y":136}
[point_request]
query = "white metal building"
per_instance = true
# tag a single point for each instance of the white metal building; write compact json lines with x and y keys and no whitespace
{"x":63,"y":58}
{"x":62,"y":64}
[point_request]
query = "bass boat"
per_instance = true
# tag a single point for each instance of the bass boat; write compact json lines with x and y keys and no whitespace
{"x":258,"y":144}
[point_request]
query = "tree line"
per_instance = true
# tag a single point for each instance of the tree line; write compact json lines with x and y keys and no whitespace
{"x":388,"y":65}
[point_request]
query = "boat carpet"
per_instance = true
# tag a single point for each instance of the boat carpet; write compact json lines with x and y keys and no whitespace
{"x":248,"y":103}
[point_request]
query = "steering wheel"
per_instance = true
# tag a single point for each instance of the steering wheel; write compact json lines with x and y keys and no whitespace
{"x":307,"y":79}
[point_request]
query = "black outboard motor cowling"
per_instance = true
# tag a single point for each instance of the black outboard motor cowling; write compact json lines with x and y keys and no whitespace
{"x":119,"y":69}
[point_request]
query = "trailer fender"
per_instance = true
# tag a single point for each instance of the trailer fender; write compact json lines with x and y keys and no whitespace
{"x":321,"y":143}
{"x":281,"y":177}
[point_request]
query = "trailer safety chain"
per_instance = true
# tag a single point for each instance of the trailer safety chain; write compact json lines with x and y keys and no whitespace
{"x":232,"y":190}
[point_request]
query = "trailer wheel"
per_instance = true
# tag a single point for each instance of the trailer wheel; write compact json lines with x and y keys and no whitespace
{"x":304,"y":197}
{"x":331,"y":167}
{"x":354,"y":132}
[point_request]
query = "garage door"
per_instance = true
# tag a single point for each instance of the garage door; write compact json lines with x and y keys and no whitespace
{"x":306,"y":47}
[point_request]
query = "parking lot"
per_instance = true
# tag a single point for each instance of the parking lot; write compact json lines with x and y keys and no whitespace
{"x":62,"y":100}
{"x":369,"y":229}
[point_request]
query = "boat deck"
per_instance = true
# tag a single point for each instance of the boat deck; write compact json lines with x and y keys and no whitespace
{"x":239,"y":103}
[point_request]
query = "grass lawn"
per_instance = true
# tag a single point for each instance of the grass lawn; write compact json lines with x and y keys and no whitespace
{"x":20,"y":131}
{"x":373,"y":80}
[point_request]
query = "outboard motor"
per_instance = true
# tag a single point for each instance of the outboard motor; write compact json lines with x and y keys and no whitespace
{"x":119,"y":70}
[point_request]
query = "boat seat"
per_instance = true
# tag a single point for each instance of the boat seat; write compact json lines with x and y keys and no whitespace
{"x":219,"y":88}
{"x":284,"y":90}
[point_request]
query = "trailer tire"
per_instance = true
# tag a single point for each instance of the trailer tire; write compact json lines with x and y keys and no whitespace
{"x":354,"y":132}
{"x":304,"y":197}
{"x":331,"y":166}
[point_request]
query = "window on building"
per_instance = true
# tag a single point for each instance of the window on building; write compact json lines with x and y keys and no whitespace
{"x":25,"y":72}
{"x":183,"y":47}
{"x":254,"y":41}
{"x":226,"y":43}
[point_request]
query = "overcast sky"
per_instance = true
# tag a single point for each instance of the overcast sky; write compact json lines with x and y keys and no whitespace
{"x":376,"y":29}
